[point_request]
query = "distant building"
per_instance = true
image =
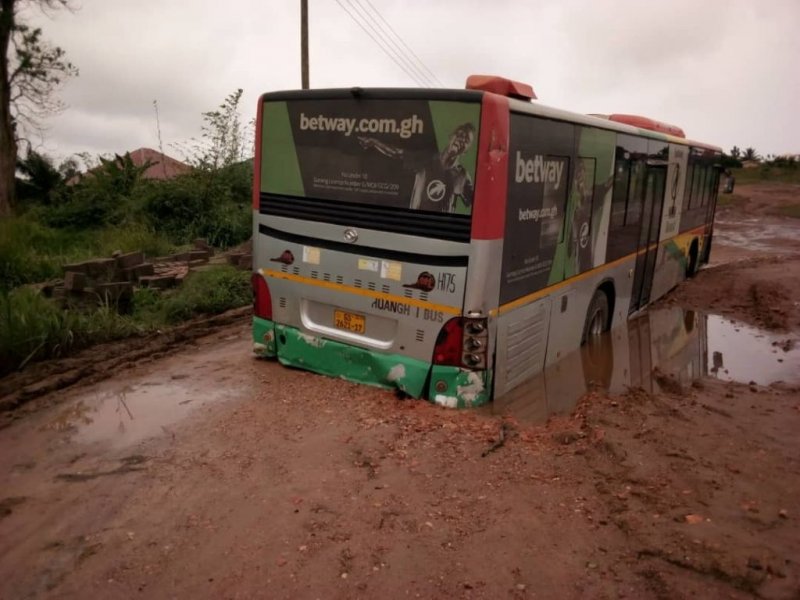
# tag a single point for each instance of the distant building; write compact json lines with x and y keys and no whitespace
{"x":162,"y":167}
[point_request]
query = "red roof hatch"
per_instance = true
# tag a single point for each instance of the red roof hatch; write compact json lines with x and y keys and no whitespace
{"x":649,"y":124}
{"x":501,"y":85}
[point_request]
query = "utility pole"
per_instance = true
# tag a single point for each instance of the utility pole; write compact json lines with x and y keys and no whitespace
{"x":304,"y":42}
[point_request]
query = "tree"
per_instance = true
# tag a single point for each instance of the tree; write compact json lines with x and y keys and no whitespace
{"x":736,"y":153}
{"x":31,"y":71}
{"x":39,"y":179}
{"x":750,"y":154}
{"x":224,"y":141}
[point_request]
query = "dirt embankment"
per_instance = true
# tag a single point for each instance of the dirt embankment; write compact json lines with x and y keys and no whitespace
{"x":762,"y":291}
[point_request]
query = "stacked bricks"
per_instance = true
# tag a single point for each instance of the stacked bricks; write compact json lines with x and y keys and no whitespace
{"x":112,"y":280}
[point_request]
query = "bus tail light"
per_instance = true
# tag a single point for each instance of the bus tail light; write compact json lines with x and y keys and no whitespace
{"x":262,"y":300}
{"x":462,"y":342}
{"x":449,"y":343}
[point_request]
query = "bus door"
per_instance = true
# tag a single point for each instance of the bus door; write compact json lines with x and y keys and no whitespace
{"x":647,"y":249}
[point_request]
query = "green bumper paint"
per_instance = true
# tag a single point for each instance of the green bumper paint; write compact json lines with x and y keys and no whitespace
{"x":454,"y":387}
{"x":263,"y":337}
{"x":449,"y":386}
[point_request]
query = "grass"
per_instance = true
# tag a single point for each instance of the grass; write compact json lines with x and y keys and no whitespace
{"x":767,"y":173}
{"x":33,"y":327}
{"x":212,"y":291}
{"x":32,"y":252}
{"x":791,"y":210}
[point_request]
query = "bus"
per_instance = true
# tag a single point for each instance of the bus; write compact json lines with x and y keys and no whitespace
{"x":451,"y":244}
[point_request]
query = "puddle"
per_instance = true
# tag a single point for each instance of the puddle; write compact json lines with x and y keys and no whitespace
{"x":738,"y":352}
{"x":684,"y":344}
{"x":764,"y":234}
{"x":125,"y":415}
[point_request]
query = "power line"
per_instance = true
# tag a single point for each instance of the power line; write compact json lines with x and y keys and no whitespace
{"x":419,"y":61}
{"x":374,"y":39}
{"x":386,"y":36}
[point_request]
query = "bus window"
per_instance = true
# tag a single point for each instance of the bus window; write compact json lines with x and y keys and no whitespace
{"x":687,"y":187}
{"x":697,"y":186}
{"x":620,"y":196}
{"x":633,"y":213}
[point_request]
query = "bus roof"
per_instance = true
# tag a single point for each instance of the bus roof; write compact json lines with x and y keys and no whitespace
{"x":474,"y":95}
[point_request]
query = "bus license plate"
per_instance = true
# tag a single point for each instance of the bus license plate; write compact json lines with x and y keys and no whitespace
{"x":349,"y":321}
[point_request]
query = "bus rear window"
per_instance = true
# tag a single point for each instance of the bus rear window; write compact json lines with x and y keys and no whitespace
{"x":384,"y":155}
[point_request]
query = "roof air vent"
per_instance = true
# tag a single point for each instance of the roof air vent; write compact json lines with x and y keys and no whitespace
{"x":649,"y":124}
{"x":501,"y":85}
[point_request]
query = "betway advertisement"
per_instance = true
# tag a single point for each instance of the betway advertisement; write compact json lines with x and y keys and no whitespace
{"x":414,"y":154}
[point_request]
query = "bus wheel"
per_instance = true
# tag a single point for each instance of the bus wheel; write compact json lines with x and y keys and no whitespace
{"x":597,"y":317}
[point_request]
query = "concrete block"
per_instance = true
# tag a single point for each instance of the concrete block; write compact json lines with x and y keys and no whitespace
{"x":76,"y":268}
{"x":134,"y":273}
{"x":246,"y":262}
{"x":74,"y":281}
{"x":101,"y":269}
{"x":199,"y":254}
{"x":114,"y":292}
{"x":131,"y":259}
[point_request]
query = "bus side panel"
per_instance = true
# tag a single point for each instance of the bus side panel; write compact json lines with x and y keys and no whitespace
{"x":570,"y":305}
{"x":521,"y":345}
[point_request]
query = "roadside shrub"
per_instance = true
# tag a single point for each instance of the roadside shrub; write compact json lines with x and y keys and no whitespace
{"x":136,"y":236}
{"x":33,"y":327}
{"x":214,"y":205}
{"x":31,"y":252}
{"x":208,"y":292}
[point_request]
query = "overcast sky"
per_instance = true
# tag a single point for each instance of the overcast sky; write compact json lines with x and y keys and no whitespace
{"x":726,"y":71}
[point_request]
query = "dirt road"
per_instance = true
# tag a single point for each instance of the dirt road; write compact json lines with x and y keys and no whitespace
{"x":207,"y":473}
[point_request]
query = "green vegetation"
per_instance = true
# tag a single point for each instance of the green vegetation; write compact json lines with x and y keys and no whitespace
{"x":767,"y":172}
{"x":31,"y":251}
{"x":792,"y":210}
{"x":64,"y":216}
{"x":33,"y":327}
{"x":211,"y":291}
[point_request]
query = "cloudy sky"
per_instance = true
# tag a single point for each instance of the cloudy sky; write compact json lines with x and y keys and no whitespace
{"x":724,"y":70}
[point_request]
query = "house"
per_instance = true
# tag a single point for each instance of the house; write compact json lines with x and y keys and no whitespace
{"x":162,"y":166}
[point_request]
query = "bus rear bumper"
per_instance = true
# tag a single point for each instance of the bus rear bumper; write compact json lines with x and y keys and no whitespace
{"x":449,"y":386}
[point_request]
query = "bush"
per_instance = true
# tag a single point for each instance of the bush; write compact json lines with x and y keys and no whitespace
{"x":31,"y":252}
{"x":33,"y":327}
{"x":212,"y":205}
{"x":208,"y":292}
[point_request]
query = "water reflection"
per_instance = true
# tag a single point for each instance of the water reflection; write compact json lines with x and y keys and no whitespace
{"x":685,"y":345}
{"x":127,"y":414}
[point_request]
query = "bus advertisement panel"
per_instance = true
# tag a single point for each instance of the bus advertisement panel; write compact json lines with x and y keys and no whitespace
{"x":411,"y":154}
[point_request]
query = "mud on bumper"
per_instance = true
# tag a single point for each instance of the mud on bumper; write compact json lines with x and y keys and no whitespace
{"x":447,"y":386}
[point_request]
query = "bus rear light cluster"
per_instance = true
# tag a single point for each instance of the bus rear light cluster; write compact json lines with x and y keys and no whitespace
{"x":262,"y":299}
{"x":475,"y":343}
{"x":462,"y":342}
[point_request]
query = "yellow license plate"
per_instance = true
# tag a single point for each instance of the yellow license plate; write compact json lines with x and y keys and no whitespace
{"x":349,"y":321}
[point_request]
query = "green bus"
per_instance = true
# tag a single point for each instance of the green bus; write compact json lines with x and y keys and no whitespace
{"x":451,"y":244}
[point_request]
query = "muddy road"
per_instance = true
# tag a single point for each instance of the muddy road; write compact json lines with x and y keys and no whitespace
{"x":668,"y":467}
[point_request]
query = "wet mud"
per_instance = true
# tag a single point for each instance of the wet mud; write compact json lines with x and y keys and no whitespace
{"x":663,"y":463}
